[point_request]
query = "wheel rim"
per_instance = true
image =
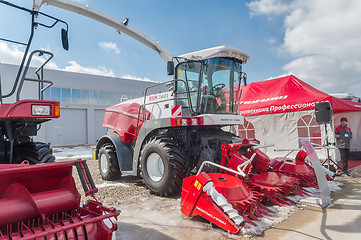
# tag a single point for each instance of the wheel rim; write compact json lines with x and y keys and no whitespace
{"x":155,"y":167}
{"x":104,"y":163}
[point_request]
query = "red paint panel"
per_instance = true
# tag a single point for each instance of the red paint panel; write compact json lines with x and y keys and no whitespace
{"x":123,"y":118}
{"x":22,"y":109}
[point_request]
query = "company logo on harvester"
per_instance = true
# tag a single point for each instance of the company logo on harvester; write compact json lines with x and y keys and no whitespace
{"x":264,"y":100}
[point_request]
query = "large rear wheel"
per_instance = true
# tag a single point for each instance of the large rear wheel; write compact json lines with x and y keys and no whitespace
{"x":34,"y":152}
{"x":162,"y":166}
{"x":108,"y":163}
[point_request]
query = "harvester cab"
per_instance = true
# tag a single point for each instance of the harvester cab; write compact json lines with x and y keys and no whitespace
{"x":20,"y":119}
{"x":212,"y":77}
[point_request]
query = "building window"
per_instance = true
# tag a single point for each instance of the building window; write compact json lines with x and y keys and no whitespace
{"x":308,"y":129}
{"x":246,"y":131}
{"x":66,"y":95}
{"x":85,"y":96}
{"x":76,"y":96}
{"x":46,"y":94}
{"x":55,"y":94}
{"x":81,"y":96}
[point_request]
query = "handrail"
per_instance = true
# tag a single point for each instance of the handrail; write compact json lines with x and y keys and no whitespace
{"x":159,"y":84}
{"x":23,"y":78}
{"x":220,"y":166}
{"x":143,"y":107}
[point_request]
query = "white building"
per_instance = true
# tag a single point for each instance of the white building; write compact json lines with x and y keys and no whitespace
{"x":83,"y":98}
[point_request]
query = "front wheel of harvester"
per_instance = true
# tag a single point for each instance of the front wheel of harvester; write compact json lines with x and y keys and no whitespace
{"x":163,"y":166}
{"x":108,"y":163}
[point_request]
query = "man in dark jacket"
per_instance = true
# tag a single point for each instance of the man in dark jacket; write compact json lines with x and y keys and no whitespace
{"x":343,"y":136}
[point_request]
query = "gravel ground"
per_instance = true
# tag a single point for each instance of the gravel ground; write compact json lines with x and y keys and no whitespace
{"x":145,"y":216}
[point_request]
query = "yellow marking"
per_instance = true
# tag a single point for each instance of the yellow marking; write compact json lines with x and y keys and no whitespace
{"x":197,"y":185}
{"x":179,"y":73}
{"x":156,"y":122}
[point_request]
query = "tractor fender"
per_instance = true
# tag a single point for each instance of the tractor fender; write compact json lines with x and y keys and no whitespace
{"x":123,"y":151}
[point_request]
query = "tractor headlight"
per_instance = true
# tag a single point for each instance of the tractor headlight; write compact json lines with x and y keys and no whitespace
{"x":40,"y":110}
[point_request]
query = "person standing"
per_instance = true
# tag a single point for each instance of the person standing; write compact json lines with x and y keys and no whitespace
{"x":343,"y":136}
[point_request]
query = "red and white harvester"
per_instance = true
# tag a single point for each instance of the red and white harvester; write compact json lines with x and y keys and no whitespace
{"x":167,"y":134}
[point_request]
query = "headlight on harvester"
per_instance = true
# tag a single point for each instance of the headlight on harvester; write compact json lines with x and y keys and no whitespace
{"x":194,"y":121}
{"x":184,"y":122}
{"x":40,"y":110}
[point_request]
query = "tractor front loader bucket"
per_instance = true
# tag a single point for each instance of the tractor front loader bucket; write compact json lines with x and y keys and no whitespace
{"x":42,"y":202}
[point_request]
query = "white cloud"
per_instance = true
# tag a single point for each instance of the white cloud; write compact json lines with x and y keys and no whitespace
{"x":268,"y":7}
{"x":137,"y":78}
{"x":75,"y":67}
{"x":109,"y":46}
{"x":12,"y":54}
{"x":272,"y":40}
{"x":323,"y":37}
{"x":81,"y":1}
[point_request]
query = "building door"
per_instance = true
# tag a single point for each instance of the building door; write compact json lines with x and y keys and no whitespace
{"x":99,"y":117}
{"x":69,"y":129}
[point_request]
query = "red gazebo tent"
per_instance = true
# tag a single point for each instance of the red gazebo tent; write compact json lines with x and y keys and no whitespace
{"x":281,"y":111}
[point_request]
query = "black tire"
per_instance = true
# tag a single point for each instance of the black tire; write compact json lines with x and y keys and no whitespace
{"x":108,"y":163}
{"x":167,"y":180}
{"x":34,"y":152}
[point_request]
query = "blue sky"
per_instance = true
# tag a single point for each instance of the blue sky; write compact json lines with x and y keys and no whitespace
{"x":318,"y":41}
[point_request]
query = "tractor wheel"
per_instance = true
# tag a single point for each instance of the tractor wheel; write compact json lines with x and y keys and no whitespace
{"x":162,"y":166}
{"x":34,"y":152}
{"x":108,"y":163}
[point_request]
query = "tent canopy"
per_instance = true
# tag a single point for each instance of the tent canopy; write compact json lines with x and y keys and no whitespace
{"x":287,"y":94}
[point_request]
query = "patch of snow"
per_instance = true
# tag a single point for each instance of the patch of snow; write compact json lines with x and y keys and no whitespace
{"x":281,"y":213}
{"x":334,"y":186}
{"x":73,"y":152}
{"x":103,"y":185}
{"x":312,"y":201}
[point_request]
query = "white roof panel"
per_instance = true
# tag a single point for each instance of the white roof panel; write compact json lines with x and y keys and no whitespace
{"x":220,"y":51}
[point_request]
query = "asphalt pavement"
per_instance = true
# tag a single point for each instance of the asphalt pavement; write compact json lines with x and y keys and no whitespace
{"x":341,"y":220}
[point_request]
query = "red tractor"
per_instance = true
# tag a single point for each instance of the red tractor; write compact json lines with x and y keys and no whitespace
{"x":21,"y":120}
{"x":41,"y":201}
